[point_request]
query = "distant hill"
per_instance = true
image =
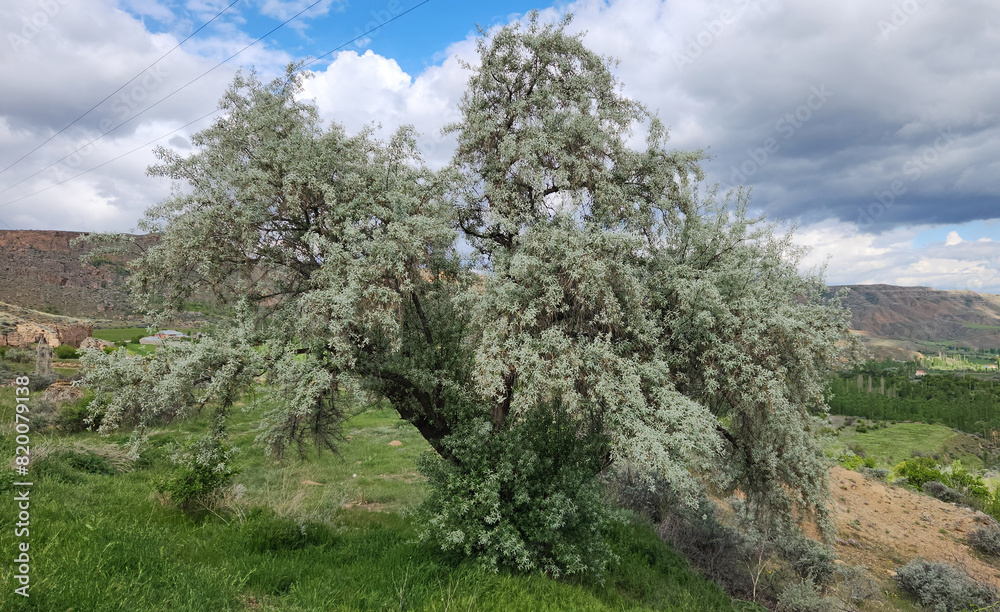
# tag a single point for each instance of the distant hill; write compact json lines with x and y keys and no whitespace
{"x":42,"y":270}
{"x":916,"y":318}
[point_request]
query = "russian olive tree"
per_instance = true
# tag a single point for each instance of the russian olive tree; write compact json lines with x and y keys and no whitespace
{"x":552,"y":303}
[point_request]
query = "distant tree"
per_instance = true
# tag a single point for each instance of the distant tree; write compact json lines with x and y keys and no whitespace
{"x":608,"y":313}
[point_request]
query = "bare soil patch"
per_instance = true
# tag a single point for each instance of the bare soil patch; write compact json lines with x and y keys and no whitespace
{"x":883,"y":527}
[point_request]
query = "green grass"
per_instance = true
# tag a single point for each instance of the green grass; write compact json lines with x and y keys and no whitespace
{"x":124,"y":334}
{"x":106,"y":542}
{"x":895,"y":443}
{"x":121,"y":334}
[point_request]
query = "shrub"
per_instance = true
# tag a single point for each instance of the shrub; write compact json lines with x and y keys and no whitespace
{"x":991,"y":505}
{"x":810,"y":560}
{"x":986,"y":539}
{"x":803,"y":597}
{"x":965,"y":483}
{"x":943,"y":587}
{"x":942,"y":492}
{"x":873,"y":473}
{"x":853,"y":461}
{"x":919,"y":470}
{"x":65,"y":351}
{"x":19,"y":355}
{"x":76,"y":417}
{"x":646,"y":494}
{"x":527,"y":498}
{"x":37,"y":382}
{"x":203,"y":467}
{"x":858,"y":584}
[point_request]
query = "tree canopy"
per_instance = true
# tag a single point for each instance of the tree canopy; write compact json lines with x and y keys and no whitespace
{"x":553,"y":303}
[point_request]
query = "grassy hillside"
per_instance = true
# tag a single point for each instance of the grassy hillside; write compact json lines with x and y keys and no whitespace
{"x":894,"y":443}
{"x":331,"y":533}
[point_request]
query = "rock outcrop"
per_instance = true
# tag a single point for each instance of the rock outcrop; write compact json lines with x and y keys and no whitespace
{"x":96,"y":343}
{"x":20,"y":327}
{"x":42,"y":270}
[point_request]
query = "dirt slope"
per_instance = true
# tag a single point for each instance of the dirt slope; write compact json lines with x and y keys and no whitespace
{"x":922,"y":314}
{"x":882,"y":527}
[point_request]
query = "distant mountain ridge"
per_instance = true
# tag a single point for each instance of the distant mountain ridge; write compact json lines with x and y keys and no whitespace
{"x":41,"y":270}
{"x":922,"y":314}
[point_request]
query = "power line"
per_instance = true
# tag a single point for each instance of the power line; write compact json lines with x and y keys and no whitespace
{"x":161,"y":100}
{"x":113,"y":159}
{"x":108,"y":97}
{"x":362,"y":35}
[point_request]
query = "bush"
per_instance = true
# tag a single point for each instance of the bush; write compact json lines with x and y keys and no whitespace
{"x":77,"y":416}
{"x":19,"y":355}
{"x":803,"y":597}
{"x":943,"y":587}
{"x":858,"y":584}
{"x":919,"y":471}
{"x":65,"y":351}
{"x":874,"y":473}
{"x":986,"y":539}
{"x":942,"y":492}
{"x":853,"y":461}
{"x":37,"y":382}
{"x":527,"y":498}
{"x":646,"y":494}
{"x":203,"y":468}
{"x":810,"y":560}
{"x":991,"y":505}
{"x":965,"y":483}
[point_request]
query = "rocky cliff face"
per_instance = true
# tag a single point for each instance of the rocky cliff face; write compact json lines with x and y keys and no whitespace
{"x":924,"y":314}
{"x":20,"y":327}
{"x":42,"y":270}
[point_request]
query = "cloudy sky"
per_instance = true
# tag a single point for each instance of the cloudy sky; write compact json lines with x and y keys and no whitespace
{"x":873,"y":125}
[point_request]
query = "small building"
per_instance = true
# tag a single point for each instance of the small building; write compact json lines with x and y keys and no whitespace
{"x":169,"y":334}
{"x":162,"y":337}
{"x":920,"y":373}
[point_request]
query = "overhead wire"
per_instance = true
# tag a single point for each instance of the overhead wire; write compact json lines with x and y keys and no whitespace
{"x":160,"y":101}
{"x":109,"y":96}
{"x":113,"y":159}
{"x":311,"y":62}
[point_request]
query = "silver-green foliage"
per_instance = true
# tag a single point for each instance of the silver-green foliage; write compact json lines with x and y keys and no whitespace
{"x":943,"y":587}
{"x":655,"y":323}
